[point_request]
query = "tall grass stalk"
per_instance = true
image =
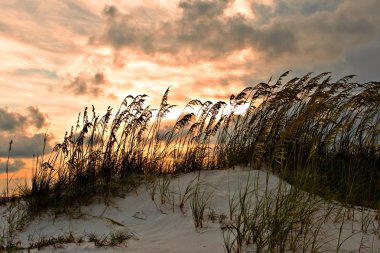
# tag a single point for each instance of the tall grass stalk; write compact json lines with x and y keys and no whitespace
{"x":7,"y":167}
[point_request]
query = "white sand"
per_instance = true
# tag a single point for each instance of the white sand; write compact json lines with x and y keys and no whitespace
{"x":165,"y":228}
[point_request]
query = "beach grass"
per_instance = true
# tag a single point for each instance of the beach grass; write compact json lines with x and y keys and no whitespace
{"x":320,"y":135}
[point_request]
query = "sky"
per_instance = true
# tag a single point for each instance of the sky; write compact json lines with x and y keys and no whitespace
{"x":59,"y":56}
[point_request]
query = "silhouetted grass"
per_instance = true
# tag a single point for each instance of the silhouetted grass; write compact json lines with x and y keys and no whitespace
{"x":319,"y":134}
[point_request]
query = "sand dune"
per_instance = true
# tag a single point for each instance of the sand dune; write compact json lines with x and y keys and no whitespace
{"x":161,"y":225}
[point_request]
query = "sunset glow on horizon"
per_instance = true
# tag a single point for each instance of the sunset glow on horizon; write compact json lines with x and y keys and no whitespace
{"x":61,"y":56}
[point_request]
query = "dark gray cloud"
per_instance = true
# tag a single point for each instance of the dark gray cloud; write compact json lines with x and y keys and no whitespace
{"x":202,"y":30}
{"x":127,"y":30}
{"x":36,"y":118}
{"x":13,"y":166}
{"x":24,"y":145}
{"x":326,"y":37}
{"x":16,"y":127}
{"x":10,"y":121}
{"x":91,"y":84}
{"x":110,"y":11}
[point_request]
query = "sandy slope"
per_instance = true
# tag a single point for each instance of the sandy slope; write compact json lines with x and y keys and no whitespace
{"x":164,"y":228}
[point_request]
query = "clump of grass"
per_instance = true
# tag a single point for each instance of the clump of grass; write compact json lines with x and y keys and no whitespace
{"x":161,"y":186}
{"x":165,"y":193}
{"x":199,"y":202}
{"x":44,"y":241}
{"x":112,"y":240}
{"x":276,"y":220}
{"x":185,"y":195}
{"x":16,"y":217}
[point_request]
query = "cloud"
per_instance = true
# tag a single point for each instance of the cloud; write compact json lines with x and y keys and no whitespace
{"x":13,"y":166}
{"x":90,"y":84}
{"x":203,"y":31}
{"x":10,"y":121}
{"x":127,"y":30}
{"x":36,"y":118}
{"x":23,"y":131}
{"x":283,"y":8}
{"x":198,"y":31}
{"x":300,"y":35}
{"x":24,"y":145}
